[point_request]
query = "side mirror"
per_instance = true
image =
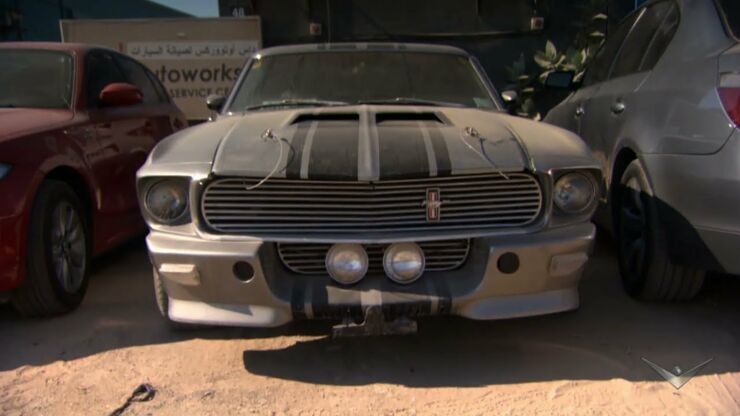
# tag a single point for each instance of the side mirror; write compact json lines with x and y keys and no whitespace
{"x":509,"y":96}
{"x":120,"y":94}
{"x":214,"y":102}
{"x":562,"y":80}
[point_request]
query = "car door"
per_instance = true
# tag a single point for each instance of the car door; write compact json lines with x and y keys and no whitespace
{"x":124,"y":135}
{"x":589,"y":111}
{"x":163,"y":117}
{"x":619,"y":101}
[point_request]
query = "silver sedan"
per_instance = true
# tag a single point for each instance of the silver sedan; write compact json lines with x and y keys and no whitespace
{"x":659,"y":106}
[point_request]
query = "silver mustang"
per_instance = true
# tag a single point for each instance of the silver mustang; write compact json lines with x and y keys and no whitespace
{"x":370,"y":184}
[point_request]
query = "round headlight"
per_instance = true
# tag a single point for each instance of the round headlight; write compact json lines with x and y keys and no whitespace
{"x":166,"y":201}
{"x":574,"y":193}
{"x":403,"y":262}
{"x":347,"y":263}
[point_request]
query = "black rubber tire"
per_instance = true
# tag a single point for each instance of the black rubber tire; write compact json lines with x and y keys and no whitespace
{"x":655,"y":277}
{"x":163,"y":304}
{"x":41,"y":294}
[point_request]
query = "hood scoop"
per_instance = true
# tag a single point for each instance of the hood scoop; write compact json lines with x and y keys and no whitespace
{"x":380,"y":118}
{"x":407,"y":116}
{"x":308,"y":117}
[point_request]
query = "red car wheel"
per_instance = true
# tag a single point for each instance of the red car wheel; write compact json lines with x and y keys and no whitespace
{"x":58,"y":253}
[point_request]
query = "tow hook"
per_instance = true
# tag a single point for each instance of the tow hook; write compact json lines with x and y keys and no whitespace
{"x":374,"y":324}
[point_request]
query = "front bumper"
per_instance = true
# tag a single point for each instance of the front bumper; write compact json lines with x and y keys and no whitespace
{"x":698,"y":199}
{"x":199,"y":278}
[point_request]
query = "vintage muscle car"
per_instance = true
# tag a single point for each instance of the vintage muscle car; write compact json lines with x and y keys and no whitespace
{"x":370,"y":184}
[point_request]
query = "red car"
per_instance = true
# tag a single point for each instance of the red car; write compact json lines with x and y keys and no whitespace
{"x":76,"y":122}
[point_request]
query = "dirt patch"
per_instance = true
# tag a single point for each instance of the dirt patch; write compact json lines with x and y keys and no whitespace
{"x":583,"y":362}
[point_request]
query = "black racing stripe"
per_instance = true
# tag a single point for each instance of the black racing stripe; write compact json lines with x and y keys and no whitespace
{"x":319,"y":300}
{"x":345,"y":302}
{"x":444,"y":304}
{"x":441,"y":153}
{"x":333,"y":153}
{"x":293,"y":170}
{"x":402,"y":153}
{"x":409,"y":301}
{"x":298,"y":301}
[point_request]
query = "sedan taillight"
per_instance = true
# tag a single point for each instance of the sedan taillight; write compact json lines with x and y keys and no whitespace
{"x":729,"y":93}
{"x":731,"y":101}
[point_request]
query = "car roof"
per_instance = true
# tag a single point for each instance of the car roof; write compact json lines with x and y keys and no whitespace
{"x":351,"y":47}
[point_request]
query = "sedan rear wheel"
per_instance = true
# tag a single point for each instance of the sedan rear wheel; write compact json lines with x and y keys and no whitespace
{"x":646,"y":269}
{"x":58,"y":253}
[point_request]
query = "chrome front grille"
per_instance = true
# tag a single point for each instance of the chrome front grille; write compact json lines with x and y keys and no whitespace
{"x":282,"y":206}
{"x":308,"y":258}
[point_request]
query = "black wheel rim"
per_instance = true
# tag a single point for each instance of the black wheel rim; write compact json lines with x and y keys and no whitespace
{"x":68,"y":247}
{"x":633,"y":229}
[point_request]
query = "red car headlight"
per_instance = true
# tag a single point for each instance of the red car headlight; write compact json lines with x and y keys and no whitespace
{"x":5,"y":169}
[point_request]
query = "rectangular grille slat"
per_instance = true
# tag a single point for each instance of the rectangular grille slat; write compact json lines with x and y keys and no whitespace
{"x":440,"y":256}
{"x":237,"y":190}
{"x":282,"y":206}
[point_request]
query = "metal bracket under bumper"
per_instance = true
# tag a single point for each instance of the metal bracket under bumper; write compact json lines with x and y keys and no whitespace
{"x":374,"y":324}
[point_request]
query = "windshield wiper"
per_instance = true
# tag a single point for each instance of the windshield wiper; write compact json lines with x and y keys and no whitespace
{"x":6,"y":105}
{"x":410,"y":101}
{"x":295,"y":102}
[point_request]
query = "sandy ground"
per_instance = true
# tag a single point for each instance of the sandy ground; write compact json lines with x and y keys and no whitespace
{"x":583,"y":362}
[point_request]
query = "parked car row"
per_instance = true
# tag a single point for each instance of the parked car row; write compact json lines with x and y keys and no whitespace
{"x":374,"y":183}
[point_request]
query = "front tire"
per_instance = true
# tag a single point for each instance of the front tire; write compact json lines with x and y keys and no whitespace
{"x":646,"y":269}
{"x":58,"y":256}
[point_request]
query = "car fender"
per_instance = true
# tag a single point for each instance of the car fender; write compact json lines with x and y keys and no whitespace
{"x":48,"y":160}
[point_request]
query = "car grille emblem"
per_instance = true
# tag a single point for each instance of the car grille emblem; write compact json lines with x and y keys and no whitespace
{"x":433,"y":203}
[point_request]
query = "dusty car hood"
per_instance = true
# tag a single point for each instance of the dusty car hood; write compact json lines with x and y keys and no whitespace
{"x":368,"y":143}
{"x":15,"y":122}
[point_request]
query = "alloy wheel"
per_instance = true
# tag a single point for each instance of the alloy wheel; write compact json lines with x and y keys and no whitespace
{"x":68,"y":247}
{"x":633,"y":228}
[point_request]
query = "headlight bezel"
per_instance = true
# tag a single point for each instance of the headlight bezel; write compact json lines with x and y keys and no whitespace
{"x":593,"y":190}
{"x":182,"y":184}
{"x":557,"y":217}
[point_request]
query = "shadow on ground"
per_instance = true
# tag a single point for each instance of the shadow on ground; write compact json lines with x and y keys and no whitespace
{"x":604,"y":339}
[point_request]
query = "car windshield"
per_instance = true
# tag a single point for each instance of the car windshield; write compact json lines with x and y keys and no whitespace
{"x":35,"y":79}
{"x":731,"y":9}
{"x":337,"y":78}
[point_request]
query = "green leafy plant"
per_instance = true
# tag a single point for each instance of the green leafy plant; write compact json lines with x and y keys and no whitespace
{"x":521,"y":82}
{"x":575,"y":58}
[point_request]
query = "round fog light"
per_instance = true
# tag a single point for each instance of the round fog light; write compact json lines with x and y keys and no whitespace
{"x":346,"y":263}
{"x":403,"y":262}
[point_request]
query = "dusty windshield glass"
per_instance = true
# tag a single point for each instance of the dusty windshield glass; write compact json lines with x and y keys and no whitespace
{"x":35,"y":79}
{"x":356,"y":77}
